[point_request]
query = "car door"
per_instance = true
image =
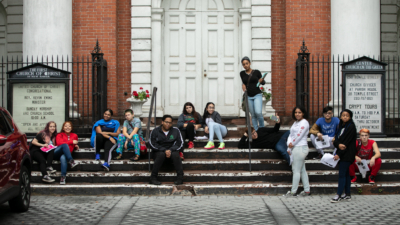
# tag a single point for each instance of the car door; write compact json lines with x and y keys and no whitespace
{"x":6,"y":143}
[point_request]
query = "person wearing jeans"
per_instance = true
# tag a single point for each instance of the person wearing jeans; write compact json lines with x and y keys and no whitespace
{"x":250,"y":78}
{"x":67,"y":142}
{"x":268,"y":138}
{"x":298,"y":148}
{"x":345,"y":142}
{"x":213,"y":125}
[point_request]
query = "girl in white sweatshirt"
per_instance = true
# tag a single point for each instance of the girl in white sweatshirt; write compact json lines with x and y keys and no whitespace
{"x":298,"y":148}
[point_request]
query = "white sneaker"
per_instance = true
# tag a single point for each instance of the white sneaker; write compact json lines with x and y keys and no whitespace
{"x":289,"y":194}
{"x":305,"y":194}
{"x":336,"y":199}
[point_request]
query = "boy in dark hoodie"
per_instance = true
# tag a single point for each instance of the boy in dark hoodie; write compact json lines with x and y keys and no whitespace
{"x":345,"y":142}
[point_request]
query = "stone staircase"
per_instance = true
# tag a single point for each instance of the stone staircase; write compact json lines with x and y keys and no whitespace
{"x":216,"y":172}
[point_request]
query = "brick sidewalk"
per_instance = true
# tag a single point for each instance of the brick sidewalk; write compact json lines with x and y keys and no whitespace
{"x":205,"y":210}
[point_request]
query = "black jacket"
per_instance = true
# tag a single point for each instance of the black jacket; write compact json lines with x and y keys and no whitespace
{"x":267,"y":138}
{"x":160,"y":142}
{"x":348,"y":138}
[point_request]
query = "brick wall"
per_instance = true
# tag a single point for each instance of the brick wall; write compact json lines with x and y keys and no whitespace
{"x":92,"y":20}
{"x":293,"y":20}
{"x":124,"y":54}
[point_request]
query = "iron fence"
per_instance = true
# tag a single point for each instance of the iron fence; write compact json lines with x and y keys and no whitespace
{"x":319,"y":84}
{"x":88,"y":85}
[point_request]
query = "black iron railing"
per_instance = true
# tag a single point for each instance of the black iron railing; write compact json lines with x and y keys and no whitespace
{"x":153,"y":103}
{"x":248,"y":126}
{"x":321,"y":85}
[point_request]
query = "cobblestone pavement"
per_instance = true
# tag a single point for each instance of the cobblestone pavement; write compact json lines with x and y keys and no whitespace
{"x":64,"y":210}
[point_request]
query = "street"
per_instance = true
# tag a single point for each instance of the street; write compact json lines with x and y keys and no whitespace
{"x":368,"y":209}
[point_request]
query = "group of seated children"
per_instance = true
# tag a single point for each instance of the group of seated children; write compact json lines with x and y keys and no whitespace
{"x":66,"y":142}
{"x":167,"y":142}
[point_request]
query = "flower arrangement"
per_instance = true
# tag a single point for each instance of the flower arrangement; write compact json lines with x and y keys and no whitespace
{"x":267,"y":95}
{"x":141,"y":95}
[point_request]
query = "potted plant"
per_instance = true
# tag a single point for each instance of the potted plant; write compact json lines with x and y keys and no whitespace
{"x":137,"y":100}
{"x":267,"y":95}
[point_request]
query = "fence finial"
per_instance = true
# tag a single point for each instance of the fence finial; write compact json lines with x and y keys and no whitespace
{"x":97,"y":48}
{"x":303,"y":48}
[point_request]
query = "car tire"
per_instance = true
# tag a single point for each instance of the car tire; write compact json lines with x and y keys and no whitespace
{"x":21,"y":202}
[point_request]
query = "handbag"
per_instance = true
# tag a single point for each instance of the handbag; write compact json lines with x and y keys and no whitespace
{"x":243,"y":97}
{"x":143,"y":147}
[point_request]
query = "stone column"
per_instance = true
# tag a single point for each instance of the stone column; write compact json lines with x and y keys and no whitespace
{"x":47,"y":31}
{"x":355,"y":30}
{"x":245,"y":20}
{"x":156,"y":56}
{"x":47,"y":28}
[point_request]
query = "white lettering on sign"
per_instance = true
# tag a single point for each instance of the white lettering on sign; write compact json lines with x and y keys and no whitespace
{"x":363,"y":97}
{"x":38,"y":73}
{"x":36,"y":104}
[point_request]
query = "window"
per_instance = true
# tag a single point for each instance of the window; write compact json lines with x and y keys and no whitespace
{"x":4,"y":128}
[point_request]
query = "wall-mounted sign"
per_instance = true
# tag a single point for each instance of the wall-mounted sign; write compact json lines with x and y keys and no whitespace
{"x":364,"y":93}
{"x":38,"y":94}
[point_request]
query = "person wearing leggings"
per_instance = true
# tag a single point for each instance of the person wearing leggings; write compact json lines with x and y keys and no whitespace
{"x":104,"y":136}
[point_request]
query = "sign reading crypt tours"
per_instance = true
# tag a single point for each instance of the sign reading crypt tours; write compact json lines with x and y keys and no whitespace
{"x":364,"y":93}
{"x":38,"y":94}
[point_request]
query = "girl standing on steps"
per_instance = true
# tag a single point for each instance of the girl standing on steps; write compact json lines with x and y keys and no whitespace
{"x":188,"y":122}
{"x":298,"y":148}
{"x":213,"y":124}
{"x":71,"y":139}
{"x":104,"y":136}
{"x":250,"y":78}
{"x":345,"y":143}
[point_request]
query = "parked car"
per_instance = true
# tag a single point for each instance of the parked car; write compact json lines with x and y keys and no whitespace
{"x":15,"y":165}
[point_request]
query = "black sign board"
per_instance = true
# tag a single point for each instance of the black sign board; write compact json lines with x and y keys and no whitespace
{"x":364,"y":93}
{"x":38,"y":94}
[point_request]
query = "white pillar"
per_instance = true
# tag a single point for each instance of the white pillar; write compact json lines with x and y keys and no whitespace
{"x":355,"y":30}
{"x":47,"y":28}
{"x":245,"y":18}
{"x":47,"y":31}
{"x":156,"y":56}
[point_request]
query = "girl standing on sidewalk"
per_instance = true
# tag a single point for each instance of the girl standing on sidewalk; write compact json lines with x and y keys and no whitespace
{"x":213,"y":124}
{"x":345,"y":143}
{"x":250,"y":78}
{"x":298,"y":147}
{"x":188,"y":122}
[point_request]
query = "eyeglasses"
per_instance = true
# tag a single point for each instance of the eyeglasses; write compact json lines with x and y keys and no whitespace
{"x":329,"y":113}
{"x":167,"y":122}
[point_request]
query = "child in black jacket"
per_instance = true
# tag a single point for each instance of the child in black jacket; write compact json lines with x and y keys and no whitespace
{"x":345,"y":142}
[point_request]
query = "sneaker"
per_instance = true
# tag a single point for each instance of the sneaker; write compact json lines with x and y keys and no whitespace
{"x":371,"y":179}
{"x":50,"y":170}
{"x":154,"y":181}
{"x":73,"y":163}
{"x":62,"y":180}
{"x":47,"y":179}
{"x":289,"y":194}
{"x":221,"y":146}
{"x":106,"y":167}
{"x":181,"y":155}
{"x":97,"y":156}
{"x":190,"y":145}
{"x":210,"y":145}
{"x":354,"y":179}
{"x":305,"y":194}
{"x":336,"y":199}
{"x":346,"y":197}
{"x":119,"y":157}
{"x":319,"y":157}
{"x":178,"y":181}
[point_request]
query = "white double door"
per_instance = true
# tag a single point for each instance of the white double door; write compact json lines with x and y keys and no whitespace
{"x":201,"y":61}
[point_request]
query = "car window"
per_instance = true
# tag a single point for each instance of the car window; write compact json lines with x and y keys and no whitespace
{"x":4,"y":128}
{"x":9,"y":119}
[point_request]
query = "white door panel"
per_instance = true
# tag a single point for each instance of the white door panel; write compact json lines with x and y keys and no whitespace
{"x":201,"y":56}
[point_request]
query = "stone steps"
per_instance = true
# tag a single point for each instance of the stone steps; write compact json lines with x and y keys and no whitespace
{"x":209,"y":188}
{"x":209,"y":176}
